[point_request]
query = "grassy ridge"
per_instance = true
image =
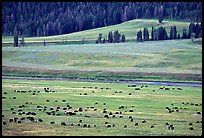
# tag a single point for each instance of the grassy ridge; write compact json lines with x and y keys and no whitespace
{"x":129,"y":28}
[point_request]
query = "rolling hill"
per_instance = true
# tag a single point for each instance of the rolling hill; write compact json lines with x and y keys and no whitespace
{"x":129,"y":29}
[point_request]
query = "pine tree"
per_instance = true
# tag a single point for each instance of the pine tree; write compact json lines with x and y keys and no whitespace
{"x":178,"y":37}
{"x":184,"y":36}
{"x":15,"y":44}
{"x":139,"y":36}
{"x":116,"y":37}
{"x":110,"y":37}
{"x":174,"y":32}
{"x":99,"y":38}
{"x":165,"y":37}
{"x":152,"y":34}
{"x":171,"y":33}
{"x":123,"y":38}
{"x":191,"y":29}
{"x":44,"y":43}
{"x":145,"y":34}
{"x":160,"y":33}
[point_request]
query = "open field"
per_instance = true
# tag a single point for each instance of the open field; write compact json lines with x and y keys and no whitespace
{"x":86,"y":105}
{"x":138,"y":59}
{"x":129,"y":28}
{"x":101,"y":109}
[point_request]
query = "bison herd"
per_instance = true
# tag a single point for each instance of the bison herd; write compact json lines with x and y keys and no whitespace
{"x":123,"y":112}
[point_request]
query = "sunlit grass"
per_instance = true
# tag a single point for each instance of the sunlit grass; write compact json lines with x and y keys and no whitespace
{"x":146,"y":105}
{"x":129,"y":28}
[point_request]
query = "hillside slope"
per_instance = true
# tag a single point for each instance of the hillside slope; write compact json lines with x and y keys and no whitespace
{"x":129,"y":29}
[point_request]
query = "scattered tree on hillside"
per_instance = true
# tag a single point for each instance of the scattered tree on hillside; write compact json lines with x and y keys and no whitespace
{"x":184,"y":35}
{"x":99,"y":38}
{"x":44,"y":43}
{"x":191,"y":29}
{"x":145,"y":34}
{"x":174,"y":32}
{"x":139,"y":36}
{"x":15,"y":44}
{"x":110,"y":37}
{"x":123,"y":38}
{"x":154,"y":34}
{"x":171,"y":33}
{"x":116,"y":37}
{"x":198,"y":30}
{"x":179,"y":36}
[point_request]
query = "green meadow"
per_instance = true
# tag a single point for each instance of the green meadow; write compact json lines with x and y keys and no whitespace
{"x":170,"y":56}
{"x":101,"y":105}
{"x":144,"y":111}
{"x":129,"y":29}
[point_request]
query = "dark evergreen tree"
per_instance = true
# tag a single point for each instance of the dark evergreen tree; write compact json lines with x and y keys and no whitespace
{"x":44,"y":43}
{"x":184,"y":36}
{"x":198,"y":30}
{"x":165,"y":34}
{"x":15,"y":44}
{"x":154,"y":34}
{"x":171,"y":33}
{"x":116,"y":37}
{"x":123,"y":38}
{"x":191,"y":29}
{"x":110,"y":37}
{"x":160,"y":33}
{"x":178,"y":37}
{"x":139,"y":36}
{"x":145,"y":34}
{"x":174,"y":32}
{"x":99,"y":38}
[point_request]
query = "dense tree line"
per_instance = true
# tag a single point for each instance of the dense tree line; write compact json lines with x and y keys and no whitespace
{"x":53,"y":18}
{"x":195,"y":31}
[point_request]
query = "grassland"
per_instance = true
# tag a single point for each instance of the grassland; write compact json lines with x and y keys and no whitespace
{"x":171,"y":60}
{"x":96,"y":60}
{"x":129,"y":28}
{"x":147,"y":104}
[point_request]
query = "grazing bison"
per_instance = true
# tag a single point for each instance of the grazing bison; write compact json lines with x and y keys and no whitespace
{"x":152,"y":126}
{"x":108,"y":126}
{"x":52,"y":122}
{"x":63,"y":123}
{"x":191,"y":128}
